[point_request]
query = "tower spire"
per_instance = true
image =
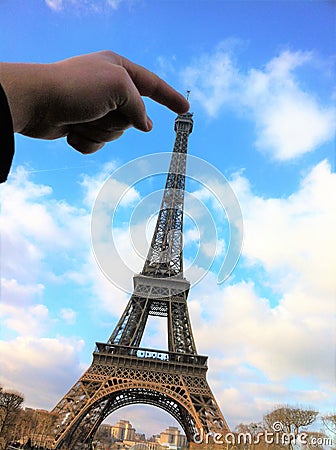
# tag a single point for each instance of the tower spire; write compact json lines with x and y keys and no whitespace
{"x":165,"y":256}
{"x":160,"y":289}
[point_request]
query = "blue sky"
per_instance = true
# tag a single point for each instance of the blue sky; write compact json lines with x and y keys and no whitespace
{"x":261,"y":75}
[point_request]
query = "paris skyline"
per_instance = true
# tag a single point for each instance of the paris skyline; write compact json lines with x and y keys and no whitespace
{"x":262,"y":91}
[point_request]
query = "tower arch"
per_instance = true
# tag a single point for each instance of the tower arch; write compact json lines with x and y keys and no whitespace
{"x":84,"y":427}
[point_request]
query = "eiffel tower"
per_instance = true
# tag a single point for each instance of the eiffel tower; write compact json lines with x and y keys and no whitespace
{"x":122,"y":372}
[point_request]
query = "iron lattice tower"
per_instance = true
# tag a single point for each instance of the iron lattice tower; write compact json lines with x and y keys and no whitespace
{"x":124,"y":373}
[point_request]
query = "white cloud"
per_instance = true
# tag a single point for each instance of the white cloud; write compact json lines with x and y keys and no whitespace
{"x":290,"y":121}
{"x":68,"y":315}
{"x":34,"y":224}
{"x":294,"y":125}
{"x":14,"y":293}
{"x":84,"y":5}
{"x":111,"y":299}
{"x":282,"y":324}
{"x":296,"y":233}
{"x":114,"y":192}
{"x":41,"y":368}
{"x":213,"y":80}
{"x":31,"y":321}
{"x":37,"y":228}
{"x":114,"y":4}
{"x":93,"y":184}
{"x":165,"y":65}
{"x":55,"y":5}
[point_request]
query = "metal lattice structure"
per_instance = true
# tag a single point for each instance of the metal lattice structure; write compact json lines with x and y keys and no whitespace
{"x":124,"y":373}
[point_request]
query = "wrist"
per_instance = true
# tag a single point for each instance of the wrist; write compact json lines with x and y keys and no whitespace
{"x":24,"y":84}
{"x":6,"y":137}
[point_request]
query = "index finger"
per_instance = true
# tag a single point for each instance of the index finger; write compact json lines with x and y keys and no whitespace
{"x":152,"y":86}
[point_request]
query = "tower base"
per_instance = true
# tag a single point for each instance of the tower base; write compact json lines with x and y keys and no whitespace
{"x":122,"y":375}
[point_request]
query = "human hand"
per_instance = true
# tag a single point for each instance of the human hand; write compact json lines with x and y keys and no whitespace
{"x":92,"y":99}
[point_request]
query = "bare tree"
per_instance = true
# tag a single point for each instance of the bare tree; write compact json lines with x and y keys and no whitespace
{"x":10,"y":405}
{"x":44,"y":430}
{"x":250,"y":436}
{"x":35,"y":426}
{"x":289,"y":421}
{"x":329,"y":421}
{"x":21,"y":429}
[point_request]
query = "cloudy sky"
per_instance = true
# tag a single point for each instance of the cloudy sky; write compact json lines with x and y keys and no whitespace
{"x":261,"y":75}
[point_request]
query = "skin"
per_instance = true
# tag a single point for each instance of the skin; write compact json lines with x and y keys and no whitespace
{"x":91,"y":99}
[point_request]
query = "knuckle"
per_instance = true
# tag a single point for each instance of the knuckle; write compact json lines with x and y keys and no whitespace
{"x":120,"y":78}
{"x":107,"y":54}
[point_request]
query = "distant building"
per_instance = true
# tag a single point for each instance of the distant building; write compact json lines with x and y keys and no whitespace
{"x":172,"y":438}
{"x":123,"y":431}
{"x":154,"y":438}
{"x":140,"y":437}
{"x":122,"y":436}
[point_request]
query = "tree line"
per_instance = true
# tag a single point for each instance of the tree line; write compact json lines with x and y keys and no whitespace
{"x":23,"y":428}
{"x":285,"y":427}
{"x":288,"y":427}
